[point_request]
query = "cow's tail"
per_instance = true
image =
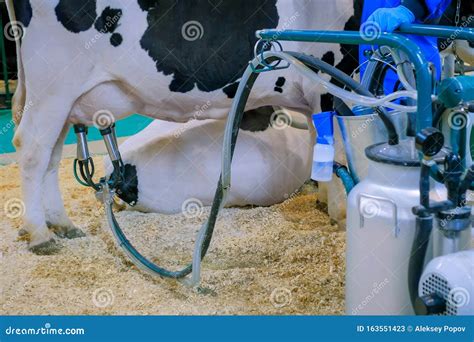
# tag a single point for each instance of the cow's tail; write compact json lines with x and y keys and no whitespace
{"x":19,"y":98}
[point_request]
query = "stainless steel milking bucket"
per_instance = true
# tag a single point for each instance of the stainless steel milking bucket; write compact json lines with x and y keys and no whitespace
{"x":361,"y":131}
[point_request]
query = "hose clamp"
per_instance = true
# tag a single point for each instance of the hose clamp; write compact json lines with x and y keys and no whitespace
{"x":260,"y":48}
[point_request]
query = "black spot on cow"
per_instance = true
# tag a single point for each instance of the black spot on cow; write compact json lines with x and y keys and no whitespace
{"x":257,"y":120}
{"x":116,"y":39}
{"x":146,"y":5}
{"x":327,"y":102}
{"x":329,"y":58}
{"x":23,"y":11}
{"x":350,"y":53}
{"x":76,"y":16}
{"x":279,"y":84}
{"x":231,"y":90}
{"x":108,"y":21}
{"x":128,"y":190}
{"x":202,"y":47}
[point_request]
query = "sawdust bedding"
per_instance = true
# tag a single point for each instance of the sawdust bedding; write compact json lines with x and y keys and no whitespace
{"x":286,"y":259}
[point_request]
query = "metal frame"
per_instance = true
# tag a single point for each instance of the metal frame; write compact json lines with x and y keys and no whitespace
{"x":393,"y":40}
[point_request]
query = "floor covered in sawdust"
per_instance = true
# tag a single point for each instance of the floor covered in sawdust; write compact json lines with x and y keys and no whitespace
{"x":286,"y":259}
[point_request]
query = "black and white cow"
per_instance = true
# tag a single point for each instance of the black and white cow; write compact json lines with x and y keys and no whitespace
{"x":183,"y":160}
{"x":162,"y":58}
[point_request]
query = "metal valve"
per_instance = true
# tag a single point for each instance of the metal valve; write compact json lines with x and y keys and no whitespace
{"x":429,"y":141}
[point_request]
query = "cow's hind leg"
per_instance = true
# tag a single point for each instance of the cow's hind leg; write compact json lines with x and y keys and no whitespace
{"x":36,"y":137}
{"x":56,"y":217}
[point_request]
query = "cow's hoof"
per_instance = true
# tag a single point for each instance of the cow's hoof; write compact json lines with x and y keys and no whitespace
{"x":67,"y":232}
{"x":46,"y":248}
{"x":74,"y":233}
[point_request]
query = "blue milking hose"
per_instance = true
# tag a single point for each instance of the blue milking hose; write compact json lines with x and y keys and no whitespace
{"x":344,"y":175}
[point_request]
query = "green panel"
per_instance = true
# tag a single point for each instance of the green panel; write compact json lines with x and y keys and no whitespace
{"x":125,"y":128}
{"x":6,"y":132}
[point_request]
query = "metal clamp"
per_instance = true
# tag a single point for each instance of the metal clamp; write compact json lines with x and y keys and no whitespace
{"x":377,"y":207}
{"x":265,"y":45}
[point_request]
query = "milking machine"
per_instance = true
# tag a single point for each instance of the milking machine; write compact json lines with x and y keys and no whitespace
{"x":408,"y":175}
{"x":410,"y":202}
{"x":408,"y":217}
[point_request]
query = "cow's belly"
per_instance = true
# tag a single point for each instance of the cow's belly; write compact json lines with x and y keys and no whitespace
{"x":121,"y":100}
{"x":177,"y":162}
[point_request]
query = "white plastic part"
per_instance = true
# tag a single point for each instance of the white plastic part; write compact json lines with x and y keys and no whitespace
{"x":380,"y":232}
{"x":323,"y":160}
{"x":452,"y":277}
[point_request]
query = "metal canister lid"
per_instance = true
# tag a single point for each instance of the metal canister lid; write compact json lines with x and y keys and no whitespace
{"x":403,"y":154}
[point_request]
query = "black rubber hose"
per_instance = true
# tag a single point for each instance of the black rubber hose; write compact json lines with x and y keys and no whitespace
{"x":341,"y":108}
{"x":216,"y":204}
{"x":311,"y":62}
{"x":220,"y":191}
{"x":424,"y":226}
{"x":425,"y":185}
{"x":316,"y":64}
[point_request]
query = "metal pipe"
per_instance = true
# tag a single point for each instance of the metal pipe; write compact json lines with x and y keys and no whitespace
{"x":396,"y":41}
{"x":454,"y":33}
{"x":82,"y":146}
